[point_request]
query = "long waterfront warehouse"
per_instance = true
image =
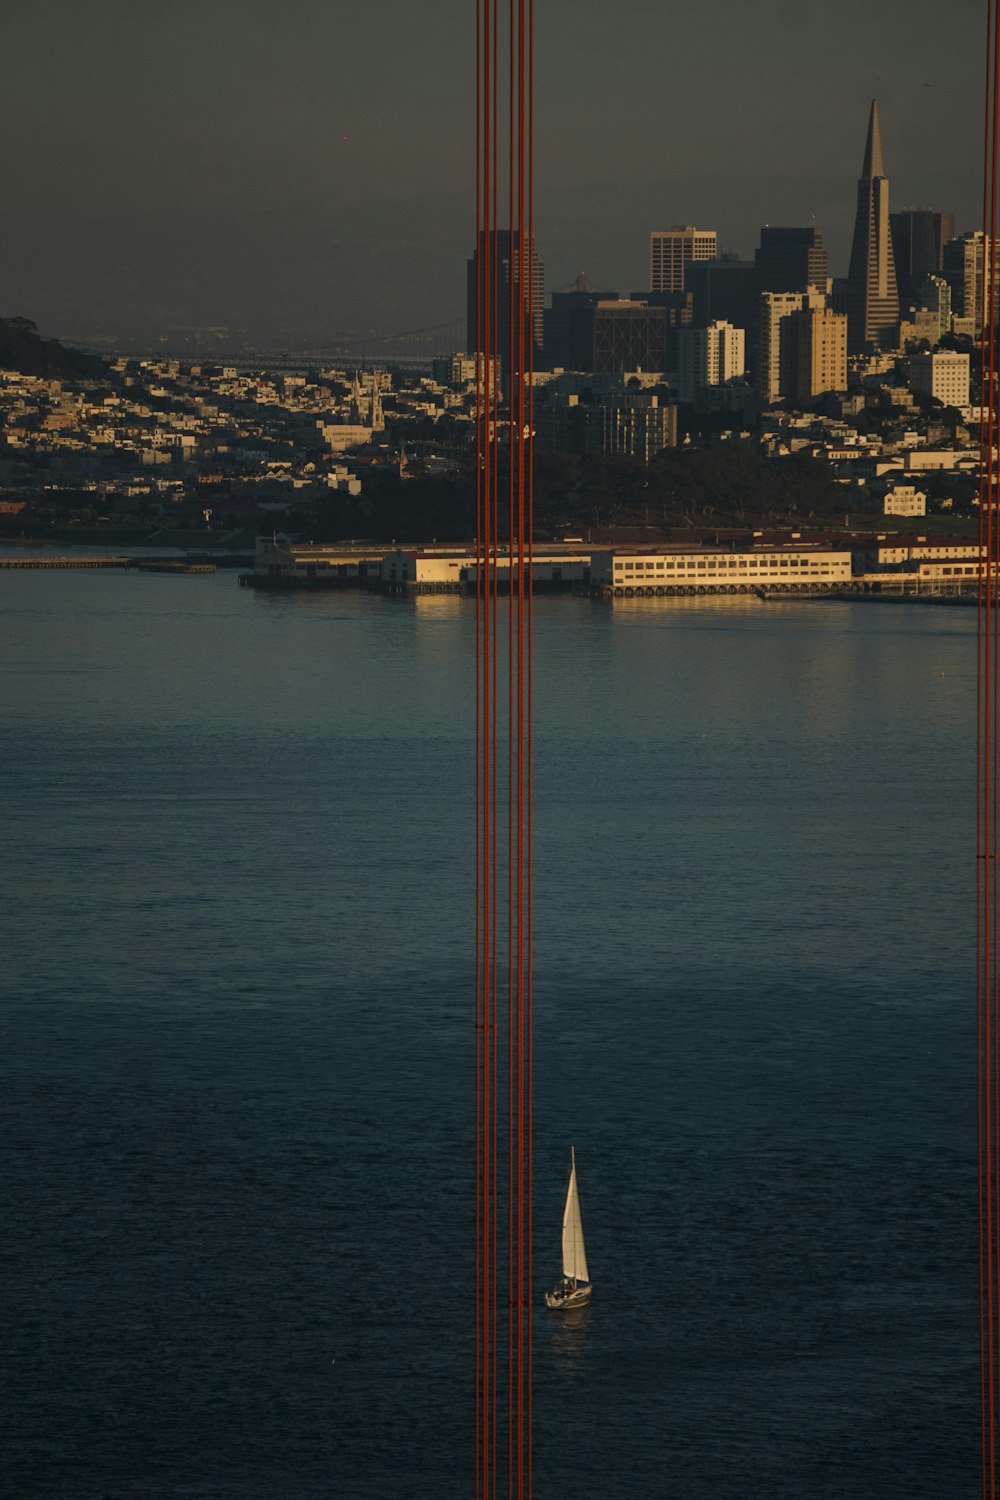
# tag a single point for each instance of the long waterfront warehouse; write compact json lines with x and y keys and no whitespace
{"x":769,"y":565}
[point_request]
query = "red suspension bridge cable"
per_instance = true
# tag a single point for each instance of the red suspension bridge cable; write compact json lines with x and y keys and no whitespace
{"x":504,"y":293}
{"x":987,"y":790}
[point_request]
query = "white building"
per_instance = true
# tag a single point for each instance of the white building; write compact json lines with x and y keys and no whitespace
{"x":671,"y":249}
{"x":904,"y":500}
{"x":944,"y":375}
{"x":464,"y":369}
{"x":705,"y":571}
{"x":709,"y":356}
{"x":339,"y":436}
{"x":903,"y":550}
{"x":434,"y":570}
{"x":925,"y":460}
{"x":340,"y":478}
{"x":454,"y":570}
{"x":963,"y":571}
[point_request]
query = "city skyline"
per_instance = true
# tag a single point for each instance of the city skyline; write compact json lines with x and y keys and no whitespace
{"x":227,"y":167}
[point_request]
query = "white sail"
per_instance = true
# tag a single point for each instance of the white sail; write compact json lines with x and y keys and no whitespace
{"x":573,"y":1254}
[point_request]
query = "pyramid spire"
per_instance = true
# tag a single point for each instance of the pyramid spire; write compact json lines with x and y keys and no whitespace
{"x":874,"y":165}
{"x":872,"y":298}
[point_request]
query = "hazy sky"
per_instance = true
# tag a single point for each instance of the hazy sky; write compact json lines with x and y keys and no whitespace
{"x":307,"y":167}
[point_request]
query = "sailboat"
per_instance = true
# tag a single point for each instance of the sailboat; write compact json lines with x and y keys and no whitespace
{"x":574,"y":1289}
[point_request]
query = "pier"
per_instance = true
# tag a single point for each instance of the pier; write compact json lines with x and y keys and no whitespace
{"x":144,"y":566}
{"x":37,"y":563}
{"x":965,"y":592}
{"x":116,"y":564}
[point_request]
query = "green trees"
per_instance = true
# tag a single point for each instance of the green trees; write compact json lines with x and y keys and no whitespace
{"x":729,"y":485}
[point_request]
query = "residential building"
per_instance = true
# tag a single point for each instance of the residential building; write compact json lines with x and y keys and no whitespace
{"x":904,"y":500}
{"x":460,"y":369}
{"x":821,"y":351}
{"x":871,"y":295}
{"x":671,"y":250}
{"x":933,"y":299}
{"x":963,"y":260}
{"x":631,"y":423}
{"x":712,"y":356}
{"x":944,"y":375}
{"x":776,"y":360}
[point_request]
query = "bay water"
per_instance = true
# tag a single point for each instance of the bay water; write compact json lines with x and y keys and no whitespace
{"x":236,"y":1152}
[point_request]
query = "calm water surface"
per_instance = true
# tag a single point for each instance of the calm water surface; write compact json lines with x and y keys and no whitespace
{"x":237,"y":1067}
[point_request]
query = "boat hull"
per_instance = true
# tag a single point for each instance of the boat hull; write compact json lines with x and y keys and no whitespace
{"x":561,"y":1301}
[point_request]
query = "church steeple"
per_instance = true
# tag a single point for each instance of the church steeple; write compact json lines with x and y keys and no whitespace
{"x":375,"y":418}
{"x":356,"y":415}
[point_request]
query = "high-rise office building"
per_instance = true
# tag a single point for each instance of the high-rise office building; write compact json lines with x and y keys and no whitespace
{"x":919,"y":236}
{"x":724,"y":289}
{"x":569,"y":326}
{"x":502,"y":250}
{"x":789,"y":260}
{"x":871,"y":295}
{"x":963,"y":261}
{"x":603,"y":333}
{"x":678,"y":307}
{"x":629,"y":335}
{"x":670,"y":250}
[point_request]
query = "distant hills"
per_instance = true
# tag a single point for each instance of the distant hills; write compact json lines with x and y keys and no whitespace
{"x":23,"y":349}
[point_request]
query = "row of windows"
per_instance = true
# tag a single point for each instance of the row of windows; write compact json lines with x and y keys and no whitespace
{"x":722,"y":564}
{"x":813,"y":568}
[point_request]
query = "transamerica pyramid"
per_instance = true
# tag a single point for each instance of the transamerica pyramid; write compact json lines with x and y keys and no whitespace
{"x":872,"y":297}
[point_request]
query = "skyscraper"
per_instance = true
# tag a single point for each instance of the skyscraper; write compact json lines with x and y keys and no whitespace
{"x":629,"y":335}
{"x":919,"y":236}
{"x":871,"y":296}
{"x":507,"y":250}
{"x":789,"y":260}
{"x":569,"y":326}
{"x":964,"y":261}
{"x":671,"y":249}
{"x":724,"y":289}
